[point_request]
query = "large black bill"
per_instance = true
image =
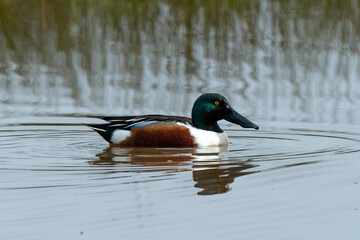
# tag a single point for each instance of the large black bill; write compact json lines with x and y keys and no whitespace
{"x":236,"y":118}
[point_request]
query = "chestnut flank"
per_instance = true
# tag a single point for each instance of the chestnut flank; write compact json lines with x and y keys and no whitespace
{"x":160,"y":135}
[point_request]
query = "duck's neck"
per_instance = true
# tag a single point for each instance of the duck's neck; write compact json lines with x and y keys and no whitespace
{"x":204,"y":122}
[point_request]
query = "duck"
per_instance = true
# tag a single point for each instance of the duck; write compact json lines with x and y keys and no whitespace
{"x":201,"y":130}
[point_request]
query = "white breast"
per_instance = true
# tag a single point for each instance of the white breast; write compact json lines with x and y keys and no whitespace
{"x":205,"y":138}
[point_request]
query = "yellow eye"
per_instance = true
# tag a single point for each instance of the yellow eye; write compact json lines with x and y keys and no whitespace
{"x":216,"y":102}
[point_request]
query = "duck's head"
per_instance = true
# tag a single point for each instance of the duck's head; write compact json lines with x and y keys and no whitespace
{"x":212,"y":107}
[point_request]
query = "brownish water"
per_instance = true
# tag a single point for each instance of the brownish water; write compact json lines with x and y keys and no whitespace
{"x":292,"y":68}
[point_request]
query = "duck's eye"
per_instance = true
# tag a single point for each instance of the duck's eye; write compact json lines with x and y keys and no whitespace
{"x":216,"y":102}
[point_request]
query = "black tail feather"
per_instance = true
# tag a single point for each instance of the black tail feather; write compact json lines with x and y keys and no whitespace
{"x":103,"y":129}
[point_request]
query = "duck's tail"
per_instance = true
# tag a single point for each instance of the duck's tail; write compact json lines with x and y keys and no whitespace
{"x":103,"y":129}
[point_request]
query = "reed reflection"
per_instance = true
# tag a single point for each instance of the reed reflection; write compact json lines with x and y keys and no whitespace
{"x":131,"y":55}
{"x":211,"y":170}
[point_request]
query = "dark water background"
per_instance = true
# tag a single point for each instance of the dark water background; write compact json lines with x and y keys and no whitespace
{"x":290,"y":66}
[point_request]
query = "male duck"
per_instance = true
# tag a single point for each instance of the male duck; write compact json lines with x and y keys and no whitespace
{"x":174,"y":131}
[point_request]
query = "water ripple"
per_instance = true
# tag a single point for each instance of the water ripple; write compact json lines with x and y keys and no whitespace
{"x":72,"y":150}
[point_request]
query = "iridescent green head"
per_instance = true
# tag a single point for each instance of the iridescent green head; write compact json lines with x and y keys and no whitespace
{"x":212,"y":107}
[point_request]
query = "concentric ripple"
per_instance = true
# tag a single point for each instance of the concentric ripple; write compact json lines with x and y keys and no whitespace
{"x":72,"y":149}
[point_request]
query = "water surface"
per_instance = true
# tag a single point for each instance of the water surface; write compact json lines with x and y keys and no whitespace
{"x":290,"y":67}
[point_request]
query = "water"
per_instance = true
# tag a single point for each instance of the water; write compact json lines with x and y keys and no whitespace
{"x":290,"y":67}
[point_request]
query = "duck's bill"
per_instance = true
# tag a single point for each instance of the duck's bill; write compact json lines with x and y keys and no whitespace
{"x":235,"y":117}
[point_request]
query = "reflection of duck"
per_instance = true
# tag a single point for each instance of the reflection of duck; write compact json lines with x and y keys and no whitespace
{"x":216,"y":177}
{"x":156,"y":157}
{"x":211,"y":170}
{"x":174,"y":131}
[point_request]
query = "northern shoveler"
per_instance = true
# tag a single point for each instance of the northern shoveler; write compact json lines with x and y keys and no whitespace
{"x":174,"y":131}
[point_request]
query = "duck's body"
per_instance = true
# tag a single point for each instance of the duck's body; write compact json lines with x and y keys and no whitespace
{"x":174,"y":131}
